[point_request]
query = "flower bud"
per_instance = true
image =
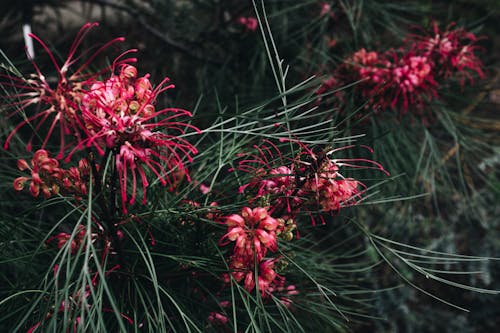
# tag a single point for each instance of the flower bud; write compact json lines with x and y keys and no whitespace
{"x":19,"y":183}
{"x":22,"y":165}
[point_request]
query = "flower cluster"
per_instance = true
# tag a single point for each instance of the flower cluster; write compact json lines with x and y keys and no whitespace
{"x":117,"y":116}
{"x":330,"y":189}
{"x":279,"y":189}
{"x":308,"y":182}
{"x":120,"y":115}
{"x":49,"y":178}
{"x":255,"y":233}
{"x":57,"y":104}
{"x":452,"y":51}
{"x":409,"y":77}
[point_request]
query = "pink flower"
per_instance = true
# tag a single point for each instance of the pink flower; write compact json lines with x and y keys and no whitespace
{"x":411,"y":83}
{"x":325,"y":9}
{"x":250,"y":23}
{"x":58,"y":103}
{"x":120,"y":116}
{"x":452,"y":51}
{"x":391,"y":80}
{"x":253,"y":231}
{"x":312,"y":182}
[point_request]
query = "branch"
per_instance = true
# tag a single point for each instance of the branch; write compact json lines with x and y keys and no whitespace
{"x":179,"y":46}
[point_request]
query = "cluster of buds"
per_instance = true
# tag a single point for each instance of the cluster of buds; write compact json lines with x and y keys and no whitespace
{"x":49,"y":178}
{"x":409,"y":78}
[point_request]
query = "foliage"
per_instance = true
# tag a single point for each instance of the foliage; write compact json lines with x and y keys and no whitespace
{"x":318,"y":164}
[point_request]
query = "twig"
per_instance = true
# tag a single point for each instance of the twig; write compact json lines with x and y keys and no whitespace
{"x":157,"y":33}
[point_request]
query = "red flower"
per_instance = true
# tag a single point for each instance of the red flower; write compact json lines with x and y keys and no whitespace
{"x":452,"y":51}
{"x":120,"y":115}
{"x":253,"y":231}
{"x":312,"y":181}
{"x":391,"y":80}
{"x":59,"y":102}
{"x":411,"y":83}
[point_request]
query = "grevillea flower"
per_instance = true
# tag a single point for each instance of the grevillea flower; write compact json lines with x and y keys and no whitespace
{"x":253,"y":231}
{"x":409,"y":78}
{"x":311,"y":182}
{"x":452,"y":51}
{"x":271,"y":176}
{"x":57,"y":103}
{"x":395,"y":80}
{"x":120,"y":116}
{"x":411,"y":83}
{"x":330,"y":190}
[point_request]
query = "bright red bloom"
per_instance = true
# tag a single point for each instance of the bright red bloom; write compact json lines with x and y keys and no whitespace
{"x":332,"y":191}
{"x":253,"y":231}
{"x":58,"y":103}
{"x":409,"y":77}
{"x":391,"y":80}
{"x":411,"y":83}
{"x":312,"y":181}
{"x":452,"y":51}
{"x":120,"y":115}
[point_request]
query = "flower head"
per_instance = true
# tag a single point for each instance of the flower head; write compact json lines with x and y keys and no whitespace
{"x":120,"y":115}
{"x":254,"y":233}
{"x":58,"y":103}
{"x":452,"y":51}
{"x":312,"y":181}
